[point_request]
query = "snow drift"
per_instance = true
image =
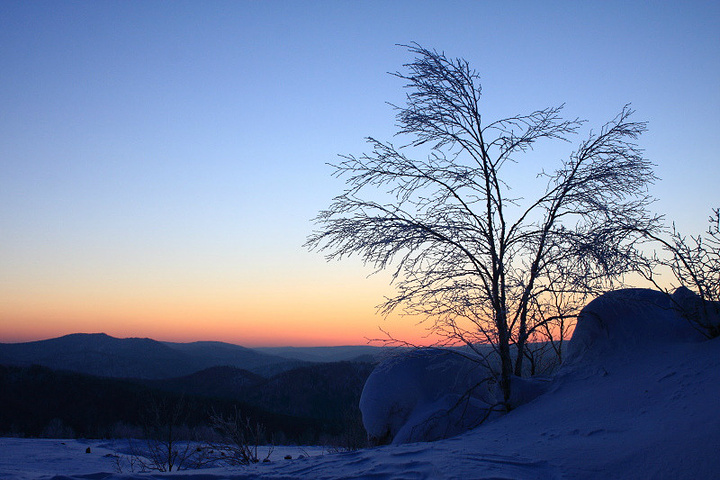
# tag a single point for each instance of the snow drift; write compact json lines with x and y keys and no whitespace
{"x":425,"y":395}
{"x":626,"y":323}
{"x":431,"y":394}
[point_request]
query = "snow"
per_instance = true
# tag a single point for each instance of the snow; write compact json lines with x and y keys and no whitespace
{"x":626,"y":323}
{"x":25,"y":459}
{"x":419,"y":396}
{"x":636,"y":399}
{"x":706,"y":313}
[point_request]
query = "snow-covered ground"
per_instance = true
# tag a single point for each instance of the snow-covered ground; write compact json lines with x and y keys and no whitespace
{"x":636,"y":399}
{"x":26,"y":458}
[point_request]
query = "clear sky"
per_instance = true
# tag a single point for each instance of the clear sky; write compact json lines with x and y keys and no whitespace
{"x":160,"y":162}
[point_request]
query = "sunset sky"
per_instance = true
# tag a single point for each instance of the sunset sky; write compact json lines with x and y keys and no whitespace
{"x":160,"y":162}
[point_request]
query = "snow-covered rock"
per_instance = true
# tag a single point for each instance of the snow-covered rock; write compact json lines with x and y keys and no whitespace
{"x":426,"y":395}
{"x":626,"y":322}
{"x":705,"y":314}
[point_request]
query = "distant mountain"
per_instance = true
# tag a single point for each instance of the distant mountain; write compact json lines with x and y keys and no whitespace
{"x":352,"y":353}
{"x":102,"y":355}
{"x":214,"y":354}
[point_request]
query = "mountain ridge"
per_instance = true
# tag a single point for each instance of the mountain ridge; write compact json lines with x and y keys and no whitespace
{"x":103,"y":355}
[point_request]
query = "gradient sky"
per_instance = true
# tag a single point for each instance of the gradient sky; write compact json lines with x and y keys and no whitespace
{"x":160,"y":162}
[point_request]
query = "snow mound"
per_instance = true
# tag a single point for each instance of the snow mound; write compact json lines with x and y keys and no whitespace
{"x":705,"y":314}
{"x":626,"y":322}
{"x":431,"y":394}
{"x":425,"y":395}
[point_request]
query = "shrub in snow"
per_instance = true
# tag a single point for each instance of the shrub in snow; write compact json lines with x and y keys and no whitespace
{"x":241,"y":439}
{"x":426,"y":395}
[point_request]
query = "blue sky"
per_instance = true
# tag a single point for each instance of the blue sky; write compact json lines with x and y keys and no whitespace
{"x":160,"y":161}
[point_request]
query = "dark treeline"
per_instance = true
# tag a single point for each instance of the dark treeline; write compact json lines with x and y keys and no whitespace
{"x":321,"y":391}
{"x":310,"y":405}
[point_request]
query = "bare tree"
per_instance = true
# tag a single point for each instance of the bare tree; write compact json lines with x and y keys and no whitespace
{"x":480,"y":265}
{"x":166,"y":445}
{"x":694,"y":262}
{"x":240,"y":439}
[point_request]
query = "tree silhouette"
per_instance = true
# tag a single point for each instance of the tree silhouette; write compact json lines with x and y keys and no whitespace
{"x":482,"y":266}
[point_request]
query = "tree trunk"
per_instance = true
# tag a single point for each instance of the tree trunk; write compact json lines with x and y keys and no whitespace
{"x":505,"y":358}
{"x":522,"y":339}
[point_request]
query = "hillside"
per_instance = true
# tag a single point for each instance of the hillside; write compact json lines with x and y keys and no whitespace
{"x":326,"y":393}
{"x":37,"y":401}
{"x":310,"y":404}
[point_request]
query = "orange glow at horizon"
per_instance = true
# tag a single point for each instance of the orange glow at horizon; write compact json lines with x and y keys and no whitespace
{"x":295,"y":314}
{"x":265,"y":329}
{"x":334,"y":306}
